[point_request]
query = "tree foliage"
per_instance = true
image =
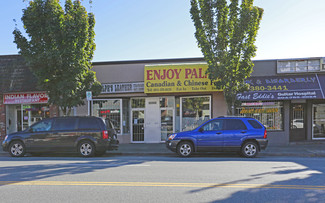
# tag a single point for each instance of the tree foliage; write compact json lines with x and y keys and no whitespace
{"x":226,"y":34}
{"x":59,"y":48}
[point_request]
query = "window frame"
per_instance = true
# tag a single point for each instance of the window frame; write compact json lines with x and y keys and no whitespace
{"x":62,"y":118}
{"x":181,"y":109}
{"x":225,"y":125}
{"x":265,"y":117}
{"x":121,"y":112}
{"x":294,"y":66}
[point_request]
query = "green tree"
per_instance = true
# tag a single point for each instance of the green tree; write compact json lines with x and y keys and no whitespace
{"x":58,"y":49}
{"x":226,"y":34}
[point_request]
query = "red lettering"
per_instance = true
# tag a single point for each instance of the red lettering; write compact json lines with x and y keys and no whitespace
{"x":187,"y":72}
{"x":194,"y":74}
{"x":149,"y":75}
{"x":177,"y":73}
{"x":201,"y":74}
{"x":170,"y":76}
{"x":156,"y":74}
{"x":163,"y":77}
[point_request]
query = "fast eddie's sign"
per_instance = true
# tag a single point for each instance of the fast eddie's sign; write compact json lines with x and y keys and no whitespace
{"x":287,"y":87}
{"x":26,"y":98}
{"x":177,"y":78}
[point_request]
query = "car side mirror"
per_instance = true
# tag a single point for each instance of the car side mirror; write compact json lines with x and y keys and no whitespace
{"x":201,"y":130}
{"x":30,"y":130}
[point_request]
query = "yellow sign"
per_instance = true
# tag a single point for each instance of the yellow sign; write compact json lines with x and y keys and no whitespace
{"x":259,"y":110}
{"x":177,"y":78}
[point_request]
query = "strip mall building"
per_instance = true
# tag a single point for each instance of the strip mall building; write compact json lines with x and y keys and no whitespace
{"x":149,"y":99}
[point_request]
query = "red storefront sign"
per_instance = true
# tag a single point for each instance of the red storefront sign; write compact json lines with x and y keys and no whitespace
{"x":26,"y":98}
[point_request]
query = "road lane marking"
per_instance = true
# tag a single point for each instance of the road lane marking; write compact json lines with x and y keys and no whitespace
{"x":159,"y":184}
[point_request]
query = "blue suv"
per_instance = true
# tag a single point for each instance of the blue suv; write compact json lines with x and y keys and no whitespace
{"x":245,"y":135}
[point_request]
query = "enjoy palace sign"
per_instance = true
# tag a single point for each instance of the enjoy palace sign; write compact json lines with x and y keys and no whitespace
{"x":177,"y":78}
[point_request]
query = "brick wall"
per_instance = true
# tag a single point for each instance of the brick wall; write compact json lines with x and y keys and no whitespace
{"x":2,"y":119}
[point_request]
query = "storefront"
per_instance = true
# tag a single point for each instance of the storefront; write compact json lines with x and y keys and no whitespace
{"x":170,"y":98}
{"x":158,"y":97}
{"x":291,"y":104}
{"x":147,"y":100}
{"x":24,"y":109}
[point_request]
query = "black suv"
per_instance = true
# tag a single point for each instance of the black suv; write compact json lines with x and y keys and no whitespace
{"x":88,"y":136}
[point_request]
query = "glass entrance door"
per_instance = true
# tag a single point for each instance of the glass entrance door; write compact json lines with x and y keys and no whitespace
{"x":19,"y":119}
{"x":137,"y":125}
{"x":152,"y":119}
{"x":297,"y":122}
{"x":167,"y":123}
{"x":318,"y":122}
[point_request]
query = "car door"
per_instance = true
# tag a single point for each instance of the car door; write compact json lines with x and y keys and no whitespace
{"x":64,"y":134}
{"x":234,"y":131}
{"x":210,"y":136}
{"x":39,"y":136}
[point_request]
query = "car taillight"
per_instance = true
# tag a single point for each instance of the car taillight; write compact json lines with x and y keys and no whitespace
{"x":265,"y":134}
{"x":105,"y":134}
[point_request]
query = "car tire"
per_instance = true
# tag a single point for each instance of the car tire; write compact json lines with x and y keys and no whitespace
{"x":86,"y":149}
{"x":17,"y":149}
{"x":249,"y":149}
{"x":185,"y":149}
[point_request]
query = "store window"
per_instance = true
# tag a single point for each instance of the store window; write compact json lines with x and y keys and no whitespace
{"x":167,"y":105}
{"x":195,"y":111}
{"x":270,"y":114}
{"x":126,"y":116}
{"x":318,"y":121}
{"x":24,"y":115}
{"x":296,"y":66}
{"x":138,"y":103}
{"x":111,"y":109}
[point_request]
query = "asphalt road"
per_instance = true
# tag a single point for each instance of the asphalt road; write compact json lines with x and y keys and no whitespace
{"x":162,"y":179}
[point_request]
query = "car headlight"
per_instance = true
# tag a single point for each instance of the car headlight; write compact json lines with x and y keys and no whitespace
{"x":171,"y":136}
{"x":6,"y":137}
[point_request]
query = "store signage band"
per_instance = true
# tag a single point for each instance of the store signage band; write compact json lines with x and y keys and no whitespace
{"x":127,"y":87}
{"x":26,"y":98}
{"x":177,"y":78}
{"x":284,"y":88}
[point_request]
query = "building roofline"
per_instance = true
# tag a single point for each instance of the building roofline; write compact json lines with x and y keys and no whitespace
{"x":171,"y":60}
{"x":150,"y":61}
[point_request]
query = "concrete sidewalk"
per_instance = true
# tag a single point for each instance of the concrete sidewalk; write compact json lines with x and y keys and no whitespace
{"x":298,"y":149}
{"x":303,"y":149}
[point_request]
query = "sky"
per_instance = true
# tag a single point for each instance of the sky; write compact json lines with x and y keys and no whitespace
{"x":163,"y":29}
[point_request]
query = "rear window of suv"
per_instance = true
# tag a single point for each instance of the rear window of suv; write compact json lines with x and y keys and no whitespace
{"x":255,"y":124}
{"x":234,"y":124}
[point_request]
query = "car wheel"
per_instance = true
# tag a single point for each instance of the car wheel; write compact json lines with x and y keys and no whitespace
{"x":86,"y":149}
{"x":17,"y":149}
{"x":185,"y":149}
{"x":249,"y":149}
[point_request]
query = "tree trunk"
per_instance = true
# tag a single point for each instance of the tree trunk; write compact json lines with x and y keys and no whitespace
{"x":65,"y":110}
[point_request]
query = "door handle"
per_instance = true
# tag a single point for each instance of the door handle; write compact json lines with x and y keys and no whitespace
{"x":218,"y":133}
{"x":243,"y":131}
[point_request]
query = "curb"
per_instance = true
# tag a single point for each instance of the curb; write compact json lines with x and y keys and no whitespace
{"x":172,"y":154}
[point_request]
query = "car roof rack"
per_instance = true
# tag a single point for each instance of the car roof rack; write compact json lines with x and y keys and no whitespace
{"x":234,"y":116}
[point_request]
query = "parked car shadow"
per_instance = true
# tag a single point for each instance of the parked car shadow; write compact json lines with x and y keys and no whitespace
{"x":297,"y":179}
{"x":32,"y":172}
